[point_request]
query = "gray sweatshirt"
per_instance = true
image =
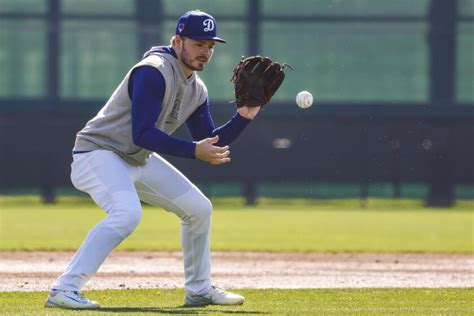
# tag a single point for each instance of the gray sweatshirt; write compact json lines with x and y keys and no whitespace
{"x":111,"y":128}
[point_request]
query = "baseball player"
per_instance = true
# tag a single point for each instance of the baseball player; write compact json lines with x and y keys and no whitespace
{"x":116,"y":160}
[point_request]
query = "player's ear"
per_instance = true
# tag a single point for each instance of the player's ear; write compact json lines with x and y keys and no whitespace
{"x":176,"y":41}
{"x":179,"y":41}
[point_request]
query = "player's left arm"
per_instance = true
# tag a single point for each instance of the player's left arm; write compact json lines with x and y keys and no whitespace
{"x":201,"y":125}
{"x":249,"y":112}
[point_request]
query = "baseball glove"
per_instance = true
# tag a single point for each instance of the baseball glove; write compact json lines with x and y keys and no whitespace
{"x":256,"y":79}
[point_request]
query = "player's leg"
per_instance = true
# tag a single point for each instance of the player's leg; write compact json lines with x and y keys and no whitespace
{"x":109,"y":181}
{"x":163,"y":185}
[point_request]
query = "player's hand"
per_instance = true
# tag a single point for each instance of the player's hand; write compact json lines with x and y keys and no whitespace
{"x":215,"y":155}
{"x":249,"y":112}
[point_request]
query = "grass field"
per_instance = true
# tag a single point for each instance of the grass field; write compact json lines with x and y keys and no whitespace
{"x":270,"y":301}
{"x":272,"y":225}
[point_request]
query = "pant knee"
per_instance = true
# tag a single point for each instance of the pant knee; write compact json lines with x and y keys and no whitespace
{"x":199,"y":210}
{"x":206,"y":208}
{"x":125,"y":216}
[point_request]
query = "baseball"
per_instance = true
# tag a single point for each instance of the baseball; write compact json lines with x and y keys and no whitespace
{"x":304,"y":99}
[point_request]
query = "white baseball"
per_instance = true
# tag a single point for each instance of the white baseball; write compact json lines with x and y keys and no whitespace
{"x":304,"y":99}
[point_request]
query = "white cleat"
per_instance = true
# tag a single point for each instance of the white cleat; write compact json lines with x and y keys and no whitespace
{"x":216,"y":296}
{"x":69,"y":299}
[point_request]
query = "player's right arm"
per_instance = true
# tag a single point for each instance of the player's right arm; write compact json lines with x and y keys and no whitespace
{"x":146,"y":90}
{"x":207,"y":150}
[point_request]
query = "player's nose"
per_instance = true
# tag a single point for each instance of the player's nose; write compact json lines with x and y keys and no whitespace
{"x":208,"y":51}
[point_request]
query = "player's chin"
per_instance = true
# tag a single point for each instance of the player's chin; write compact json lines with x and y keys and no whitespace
{"x":200,"y":65}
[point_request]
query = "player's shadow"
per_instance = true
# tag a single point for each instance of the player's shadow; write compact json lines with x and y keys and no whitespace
{"x":173,"y":310}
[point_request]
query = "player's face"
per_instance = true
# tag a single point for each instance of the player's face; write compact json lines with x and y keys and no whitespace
{"x":195,"y":55}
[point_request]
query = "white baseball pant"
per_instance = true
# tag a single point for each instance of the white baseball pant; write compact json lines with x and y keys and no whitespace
{"x":118,"y":187}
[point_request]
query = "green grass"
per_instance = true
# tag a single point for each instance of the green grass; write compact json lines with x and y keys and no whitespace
{"x":272,"y":225}
{"x":452,"y":301}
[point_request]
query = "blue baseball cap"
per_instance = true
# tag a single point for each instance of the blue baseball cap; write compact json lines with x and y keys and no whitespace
{"x":198,"y":25}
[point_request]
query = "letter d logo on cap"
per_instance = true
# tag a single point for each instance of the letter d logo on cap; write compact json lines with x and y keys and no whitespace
{"x":209,"y":25}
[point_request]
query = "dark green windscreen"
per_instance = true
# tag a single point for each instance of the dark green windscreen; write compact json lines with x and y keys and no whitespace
{"x":466,"y":7}
{"x":375,"y":60}
{"x":23,"y":61}
{"x":465,"y":63}
{"x":214,"y":7}
{"x":120,"y":7}
{"x":351,"y":61}
{"x":95,"y":57}
{"x":23,"y":6}
{"x":345,"y":7}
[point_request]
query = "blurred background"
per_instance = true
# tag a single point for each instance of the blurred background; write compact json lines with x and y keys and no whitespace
{"x":392,"y":80}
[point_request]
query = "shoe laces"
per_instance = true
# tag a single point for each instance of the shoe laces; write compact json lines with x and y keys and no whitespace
{"x":79,"y":294}
{"x":218,"y":289}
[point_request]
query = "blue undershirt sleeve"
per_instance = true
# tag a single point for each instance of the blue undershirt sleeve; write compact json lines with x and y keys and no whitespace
{"x":146,"y":89}
{"x":201,"y":125}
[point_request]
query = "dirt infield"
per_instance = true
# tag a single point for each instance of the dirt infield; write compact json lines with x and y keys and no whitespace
{"x":34,"y":271}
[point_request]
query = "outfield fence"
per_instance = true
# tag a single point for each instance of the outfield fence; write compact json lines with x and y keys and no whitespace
{"x":393,"y":84}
